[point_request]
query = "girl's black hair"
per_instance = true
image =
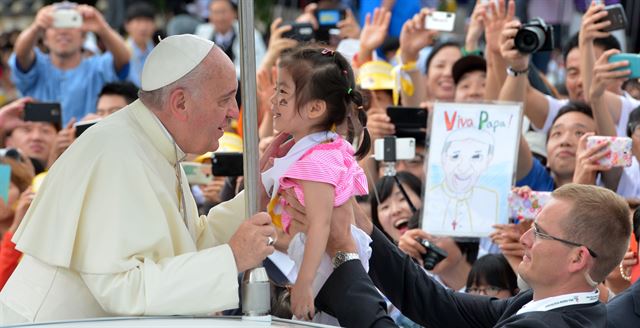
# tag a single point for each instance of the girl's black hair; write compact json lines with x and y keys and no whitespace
{"x":323,"y":74}
{"x":493,"y":270}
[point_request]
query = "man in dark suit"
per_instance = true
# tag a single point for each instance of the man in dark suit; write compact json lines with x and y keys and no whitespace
{"x":624,"y":310}
{"x":577,"y":239}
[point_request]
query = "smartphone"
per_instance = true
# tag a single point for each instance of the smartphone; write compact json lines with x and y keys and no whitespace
{"x":44,"y":112}
{"x":329,"y":18}
{"x":410,"y":122}
{"x":5,"y":182}
{"x":526,"y":208}
{"x":67,"y":18}
{"x":617,"y":17}
{"x":391,"y":149}
{"x":83,"y":126}
{"x":634,"y":63}
{"x":227,"y":164}
{"x":440,"y":21}
{"x":619,"y":150}
{"x":302,"y":32}
{"x":197,"y":173}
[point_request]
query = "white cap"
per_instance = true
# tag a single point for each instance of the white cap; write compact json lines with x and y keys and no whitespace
{"x":173,"y":58}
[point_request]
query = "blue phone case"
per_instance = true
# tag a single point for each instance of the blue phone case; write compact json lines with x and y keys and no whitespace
{"x":5,"y":180}
{"x":634,"y":63}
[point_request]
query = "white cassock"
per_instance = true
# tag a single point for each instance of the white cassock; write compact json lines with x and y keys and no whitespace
{"x":105,"y":235}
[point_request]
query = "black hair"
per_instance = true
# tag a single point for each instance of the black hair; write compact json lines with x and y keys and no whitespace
{"x":573,"y":106}
{"x":436,"y":49}
{"x":125,"y":89}
{"x":140,"y":10}
{"x":606,"y":43}
{"x":493,"y":270}
{"x":323,"y":74}
{"x":634,"y":119}
{"x":384,"y":187}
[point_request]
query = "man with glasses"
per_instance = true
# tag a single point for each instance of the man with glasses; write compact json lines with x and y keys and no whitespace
{"x":579,"y":237}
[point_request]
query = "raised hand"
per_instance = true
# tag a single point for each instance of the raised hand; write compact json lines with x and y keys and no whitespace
{"x":593,"y":23}
{"x":375,"y":30}
{"x":512,"y":56}
{"x":495,"y":17}
{"x":414,"y":36}
{"x":605,"y":73}
{"x":587,"y":159}
{"x":349,"y":28}
{"x":476,"y":26}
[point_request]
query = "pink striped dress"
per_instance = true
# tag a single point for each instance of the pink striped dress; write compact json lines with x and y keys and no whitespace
{"x":331,"y":163}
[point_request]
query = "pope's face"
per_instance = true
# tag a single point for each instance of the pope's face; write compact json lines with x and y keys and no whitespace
{"x":463,"y":163}
{"x":215,"y":106}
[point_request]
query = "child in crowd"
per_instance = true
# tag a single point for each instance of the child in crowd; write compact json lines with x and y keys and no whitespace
{"x":315,"y":95}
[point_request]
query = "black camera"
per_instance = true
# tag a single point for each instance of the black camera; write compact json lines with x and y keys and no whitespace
{"x":434,"y":254}
{"x":534,"y":36}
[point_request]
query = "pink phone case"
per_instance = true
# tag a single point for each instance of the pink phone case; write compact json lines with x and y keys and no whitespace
{"x":527,"y":208}
{"x":620,"y":147}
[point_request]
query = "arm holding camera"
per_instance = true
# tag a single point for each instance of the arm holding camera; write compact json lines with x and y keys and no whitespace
{"x":28,"y":39}
{"x":413,"y":37}
{"x":593,"y":25}
{"x":93,"y":21}
{"x":494,"y":18}
{"x":349,"y":28}
{"x":515,"y":88}
{"x":277,"y":44}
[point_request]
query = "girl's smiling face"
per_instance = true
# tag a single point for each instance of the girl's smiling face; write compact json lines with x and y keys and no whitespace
{"x":287,"y":117}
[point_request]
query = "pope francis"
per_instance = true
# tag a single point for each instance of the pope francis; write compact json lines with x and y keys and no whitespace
{"x":114,"y":228}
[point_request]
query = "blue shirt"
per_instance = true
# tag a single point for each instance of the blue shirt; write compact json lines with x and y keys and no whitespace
{"x":401,"y":12}
{"x":138,"y":57}
{"x":76,"y":89}
{"x":538,"y":178}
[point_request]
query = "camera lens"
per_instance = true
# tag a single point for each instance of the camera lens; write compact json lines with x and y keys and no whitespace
{"x":529,"y":39}
{"x":433,"y":256}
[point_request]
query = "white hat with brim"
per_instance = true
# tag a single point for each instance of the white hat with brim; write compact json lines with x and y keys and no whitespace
{"x":173,"y":58}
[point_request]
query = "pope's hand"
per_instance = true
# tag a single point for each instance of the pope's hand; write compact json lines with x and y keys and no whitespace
{"x":250,"y":242}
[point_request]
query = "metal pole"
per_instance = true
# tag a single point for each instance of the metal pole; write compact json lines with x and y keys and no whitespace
{"x":256,"y":300}
{"x":250,"y":108}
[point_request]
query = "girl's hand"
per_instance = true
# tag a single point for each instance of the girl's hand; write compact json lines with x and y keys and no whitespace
{"x":302,"y":305}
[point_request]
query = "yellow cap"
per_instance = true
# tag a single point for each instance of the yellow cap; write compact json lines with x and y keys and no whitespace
{"x":228,"y":143}
{"x":376,"y":75}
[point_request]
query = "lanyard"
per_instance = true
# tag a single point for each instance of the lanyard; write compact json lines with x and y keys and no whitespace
{"x":555,"y":302}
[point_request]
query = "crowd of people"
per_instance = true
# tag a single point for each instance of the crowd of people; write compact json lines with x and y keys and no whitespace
{"x":107,"y":223}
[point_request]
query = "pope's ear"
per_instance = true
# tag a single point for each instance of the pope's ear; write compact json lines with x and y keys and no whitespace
{"x":178,"y":104}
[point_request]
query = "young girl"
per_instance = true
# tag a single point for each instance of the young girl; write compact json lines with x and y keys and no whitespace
{"x":315,"y":92}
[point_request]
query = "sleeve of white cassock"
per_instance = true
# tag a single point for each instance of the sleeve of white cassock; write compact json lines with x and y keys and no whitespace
{"x":193,"y":283}
{"x":222,"y":222}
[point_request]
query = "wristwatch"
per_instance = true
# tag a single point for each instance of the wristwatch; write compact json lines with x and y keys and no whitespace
{"x":342,"y":257}
{"x":513,"y":72}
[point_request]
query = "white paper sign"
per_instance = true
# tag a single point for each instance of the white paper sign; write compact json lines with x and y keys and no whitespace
{"x":471,"y":167}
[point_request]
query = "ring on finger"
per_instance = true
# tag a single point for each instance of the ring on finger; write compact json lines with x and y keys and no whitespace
{"x":270,"y":241}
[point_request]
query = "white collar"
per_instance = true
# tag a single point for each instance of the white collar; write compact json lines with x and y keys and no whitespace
{"x":180,"y":155}
{"x":271,"y":177}
{"x":554,"y":302}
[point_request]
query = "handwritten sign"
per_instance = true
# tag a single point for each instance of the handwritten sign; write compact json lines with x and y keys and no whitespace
{"x":472,"y":160}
